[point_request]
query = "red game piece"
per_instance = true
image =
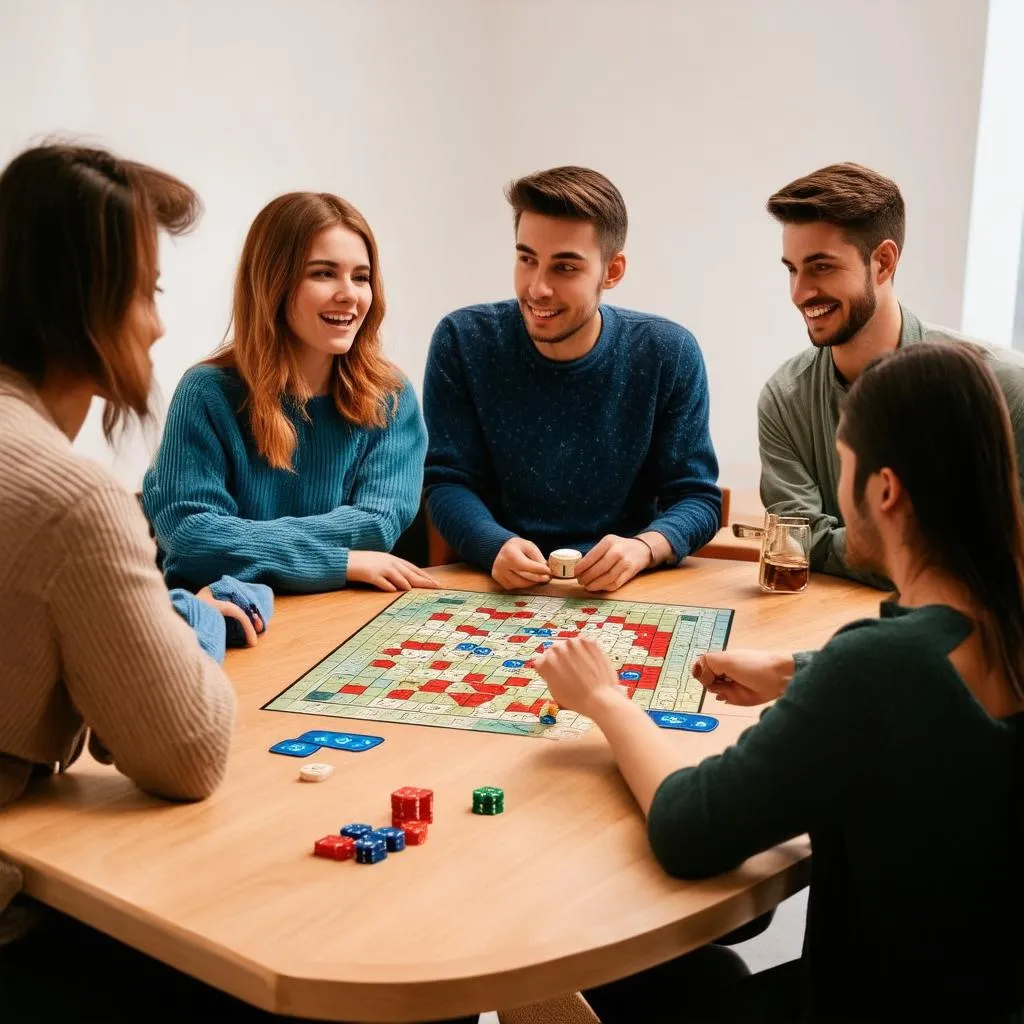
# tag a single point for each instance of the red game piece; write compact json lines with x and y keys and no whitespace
{"x":335,"y":847}
{"x":412,"y":804}
{"x":415,"y":832}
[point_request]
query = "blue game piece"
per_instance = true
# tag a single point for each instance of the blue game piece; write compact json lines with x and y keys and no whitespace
{"x":682,"y":720}
{"x":482,"y":651}
{"x":356,"y":830}
{"x":547,"y":643}
{"x":371,"y":850}
{"x":295,"y":748}
{"x":513,"y":663}
{"x":544,"y":632}
{"x":530,"y":631}
{"x":548,"y":719}
{"x":629,"y":677}
{"x":353,"y":742}
{"x":394,"y":837}
{"x":465,"y":647}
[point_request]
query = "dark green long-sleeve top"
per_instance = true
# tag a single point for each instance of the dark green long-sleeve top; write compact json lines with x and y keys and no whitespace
{"x":905,"y":784}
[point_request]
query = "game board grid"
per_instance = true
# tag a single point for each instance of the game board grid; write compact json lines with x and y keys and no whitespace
{"x":694,"y":630}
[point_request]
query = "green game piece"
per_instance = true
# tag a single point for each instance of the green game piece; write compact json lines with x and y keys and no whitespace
{"x":488,"y":800}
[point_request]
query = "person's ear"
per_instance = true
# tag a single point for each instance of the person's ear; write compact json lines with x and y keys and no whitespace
{"x":615,"y":271}
{"x":884,"y":260}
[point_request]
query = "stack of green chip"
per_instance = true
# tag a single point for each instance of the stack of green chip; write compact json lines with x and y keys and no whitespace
{"x":488,"y":800}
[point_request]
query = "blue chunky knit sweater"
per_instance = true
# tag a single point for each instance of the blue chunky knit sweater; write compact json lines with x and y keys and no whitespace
{"x":563,"y":453}
{"x":218,"y":508}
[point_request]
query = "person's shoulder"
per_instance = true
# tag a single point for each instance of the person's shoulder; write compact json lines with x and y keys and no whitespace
{"x":792,"y":379}
{"x":481,"y":320}
{"x":654,"y":329}
{"x":1006,"y":363}
{"x":218,"y":392}
{"x":875,"y":652}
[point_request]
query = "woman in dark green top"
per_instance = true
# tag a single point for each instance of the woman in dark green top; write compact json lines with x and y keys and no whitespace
{"x":896,"y":747}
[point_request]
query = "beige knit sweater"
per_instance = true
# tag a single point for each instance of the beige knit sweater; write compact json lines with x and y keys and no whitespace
{"x":88,"y":637}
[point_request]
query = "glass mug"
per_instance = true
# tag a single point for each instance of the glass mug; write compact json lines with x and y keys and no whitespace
{"x":784,"y":562}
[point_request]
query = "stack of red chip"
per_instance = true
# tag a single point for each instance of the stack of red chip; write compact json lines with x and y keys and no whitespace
{"x":412,"y":810}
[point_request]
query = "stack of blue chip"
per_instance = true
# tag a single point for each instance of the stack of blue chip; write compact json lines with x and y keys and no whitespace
{"x":371,"y":848}
{"x":394,"y":837}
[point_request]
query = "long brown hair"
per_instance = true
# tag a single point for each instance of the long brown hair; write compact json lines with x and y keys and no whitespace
{"x":77,"y":245}
{"x":262,"y":348}
{"x":935,"y":415}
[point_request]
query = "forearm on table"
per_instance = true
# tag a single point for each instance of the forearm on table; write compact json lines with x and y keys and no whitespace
{"x":646,"y":756}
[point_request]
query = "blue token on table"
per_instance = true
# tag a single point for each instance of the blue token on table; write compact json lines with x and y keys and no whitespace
{"x":351,"y":741}
{"x":482,"y":651}
{"x":683,"y":720}
{"x":531,"y":631}
{"x":513,"y":663}
{"x":545,"y":632}
{"x":295,"y":748}
{"x":465,"y":647}
{"x":629,"y":677}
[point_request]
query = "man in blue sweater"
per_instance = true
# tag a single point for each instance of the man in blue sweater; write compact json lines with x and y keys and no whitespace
{"x":557,"y":422}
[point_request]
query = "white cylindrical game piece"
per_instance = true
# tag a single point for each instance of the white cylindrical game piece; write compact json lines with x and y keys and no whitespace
{"x":315,"y":772}
{"x":563,"y":562}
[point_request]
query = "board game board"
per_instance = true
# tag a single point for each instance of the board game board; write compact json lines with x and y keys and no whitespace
{"x":462,"y":660}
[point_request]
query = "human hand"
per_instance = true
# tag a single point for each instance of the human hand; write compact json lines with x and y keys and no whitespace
{"x":612,"y":562}
{"x":251,"y":627}
{"x":386,"y":572}
{"x":519,"y":564}
{"x":579,"y":675}
{"x":744,"y":678}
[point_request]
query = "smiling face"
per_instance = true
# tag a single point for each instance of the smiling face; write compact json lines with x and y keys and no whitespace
{"x":828,"y":282}
{"x":331,"y":301}
{"x":560,"y":274}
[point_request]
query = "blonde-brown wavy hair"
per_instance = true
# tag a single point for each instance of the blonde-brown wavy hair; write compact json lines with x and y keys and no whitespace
{"x":262,"y":347}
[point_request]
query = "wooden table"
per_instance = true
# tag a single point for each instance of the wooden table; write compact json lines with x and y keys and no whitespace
{"x":558,"y":893}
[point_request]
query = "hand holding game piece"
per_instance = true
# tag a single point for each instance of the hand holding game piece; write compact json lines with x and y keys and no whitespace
{"x":386,"y":572}
{"x":744,"y":678}
{"x":519,"y":564}
{"x":612,"y":562}
{"x":579,"y":675}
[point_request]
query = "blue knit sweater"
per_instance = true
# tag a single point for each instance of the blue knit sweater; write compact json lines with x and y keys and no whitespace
{"x":218,"y":508}
{"x":563,"y":453}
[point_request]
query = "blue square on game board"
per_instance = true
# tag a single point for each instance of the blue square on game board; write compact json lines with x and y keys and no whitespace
{"x":482,"y":651}
{"x":513,"y":663}
{"x":466,"y":647}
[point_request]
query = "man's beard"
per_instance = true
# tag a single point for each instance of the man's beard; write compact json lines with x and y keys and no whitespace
{"x":864,"y":550}
{"x":862,"y":309}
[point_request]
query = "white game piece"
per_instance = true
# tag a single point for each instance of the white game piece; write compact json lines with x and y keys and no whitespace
{"x":316,"y":772}
{"x":563,"y":563}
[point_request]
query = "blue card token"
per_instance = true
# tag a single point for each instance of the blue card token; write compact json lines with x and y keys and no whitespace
{"x":295,"y":748}
{"x":683,"y":720}
{"x":352,"y":741}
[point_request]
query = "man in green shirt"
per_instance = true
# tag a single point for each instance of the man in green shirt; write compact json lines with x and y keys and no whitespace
{"x":842,"y":237}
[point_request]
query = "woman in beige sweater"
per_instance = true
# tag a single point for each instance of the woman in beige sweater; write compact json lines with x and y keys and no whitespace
{"x":89,"y":643}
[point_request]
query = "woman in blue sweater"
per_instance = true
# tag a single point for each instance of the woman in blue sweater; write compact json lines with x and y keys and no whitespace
{"x":294,"y":456}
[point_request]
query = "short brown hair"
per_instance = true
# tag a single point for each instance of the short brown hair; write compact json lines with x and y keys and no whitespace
{"x":573,"y":193}
{"x":865,"y":204}
{"x":77,"y":244}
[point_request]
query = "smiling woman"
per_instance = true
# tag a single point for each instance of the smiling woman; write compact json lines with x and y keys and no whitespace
{"x":295,"y":454}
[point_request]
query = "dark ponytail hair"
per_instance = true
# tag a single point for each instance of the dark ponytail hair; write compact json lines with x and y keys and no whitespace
{"x":935,"y":415}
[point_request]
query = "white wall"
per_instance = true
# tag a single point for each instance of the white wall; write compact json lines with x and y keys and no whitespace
{"x":419,"y":111}
{"x":997,"y":212}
